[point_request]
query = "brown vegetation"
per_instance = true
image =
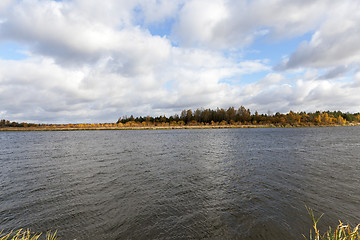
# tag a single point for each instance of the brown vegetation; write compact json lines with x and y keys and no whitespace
{"x":205,"y":118}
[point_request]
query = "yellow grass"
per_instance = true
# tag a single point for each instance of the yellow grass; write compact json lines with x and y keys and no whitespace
{"x":26,"y":235}
{"x":341,"y":232}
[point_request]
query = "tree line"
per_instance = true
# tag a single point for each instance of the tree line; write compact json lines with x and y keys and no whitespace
{"x":6,"y":123}
{"x":211,"y":117}
{"x":242,"y":115}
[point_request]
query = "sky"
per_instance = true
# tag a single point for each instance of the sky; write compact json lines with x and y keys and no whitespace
{"x":84,"y":61}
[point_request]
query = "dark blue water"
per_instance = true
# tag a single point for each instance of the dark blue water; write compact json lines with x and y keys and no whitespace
{"x":179,"y":184}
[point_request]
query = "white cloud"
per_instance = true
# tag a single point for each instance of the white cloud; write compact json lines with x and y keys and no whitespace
{"x":198,"y":20}
{"x":304,"y":95}
{"x":271,"y":80}
{"x":94,"y":61}
{"x":159,"y":10}
{"x":52,"y":92}
{"x":4,"y":5}
{"x":334,"y":43}
{"x":232,"y":24}
{"x":51,"y":29}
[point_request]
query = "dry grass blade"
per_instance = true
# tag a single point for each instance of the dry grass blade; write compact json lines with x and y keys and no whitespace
{"x":26,"y":235}
{"x":341,"y":232}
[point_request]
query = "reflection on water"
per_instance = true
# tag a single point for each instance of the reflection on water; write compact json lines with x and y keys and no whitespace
{"x":215,"y":183}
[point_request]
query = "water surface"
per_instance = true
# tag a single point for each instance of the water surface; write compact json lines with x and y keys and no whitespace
{"x":179,"y":184}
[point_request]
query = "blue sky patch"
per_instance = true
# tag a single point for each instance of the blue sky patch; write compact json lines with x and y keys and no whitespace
{"x":12,"y":51}
{"x":274,"y":51}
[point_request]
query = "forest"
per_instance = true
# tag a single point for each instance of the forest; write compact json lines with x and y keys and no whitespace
{"x":243,"y":116}
{"x":231,"y":117}
{"x":6,"y":123}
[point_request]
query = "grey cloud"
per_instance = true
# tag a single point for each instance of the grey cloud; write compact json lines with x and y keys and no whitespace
{"x":50,"y":92}
{"x":329,"y":53}
{"x":271,"y":96}
{"x":310,"y":95}
{"x":335,"y":72}
{"x":183,"y":103}
{"x":234,"y":24}
{"x":334,"y":44}
{"x":74,"y":39}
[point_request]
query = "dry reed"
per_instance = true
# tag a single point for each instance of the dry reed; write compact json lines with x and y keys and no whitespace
{"x":341,"y":232}
{"x":27,"y":235}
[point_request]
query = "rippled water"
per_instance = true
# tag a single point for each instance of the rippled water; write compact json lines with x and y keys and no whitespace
{"x":179,"y":184}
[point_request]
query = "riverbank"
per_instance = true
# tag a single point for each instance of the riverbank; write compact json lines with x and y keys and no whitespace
{"x":153,"y":127}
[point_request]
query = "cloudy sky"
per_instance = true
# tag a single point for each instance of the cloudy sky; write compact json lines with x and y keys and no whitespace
{"x":94,"y":61}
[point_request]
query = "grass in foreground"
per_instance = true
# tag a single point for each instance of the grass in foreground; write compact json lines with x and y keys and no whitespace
{"x":26,"y":235}
{"x":341,"y":232}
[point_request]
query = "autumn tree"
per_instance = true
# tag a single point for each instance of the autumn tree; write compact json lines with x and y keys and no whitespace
{"x":230,"y":114}
{"x":243,"y":114}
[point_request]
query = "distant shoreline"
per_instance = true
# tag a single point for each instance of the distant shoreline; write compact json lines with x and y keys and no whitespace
{"x":51,"y":128}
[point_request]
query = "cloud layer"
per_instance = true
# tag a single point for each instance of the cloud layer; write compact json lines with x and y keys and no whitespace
{"x":91,"y":61}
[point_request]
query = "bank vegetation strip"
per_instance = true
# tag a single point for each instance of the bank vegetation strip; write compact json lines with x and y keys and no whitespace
{"x":203,"y":118}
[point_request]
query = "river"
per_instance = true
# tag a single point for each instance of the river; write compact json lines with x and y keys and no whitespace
{"x":179,"y":184}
